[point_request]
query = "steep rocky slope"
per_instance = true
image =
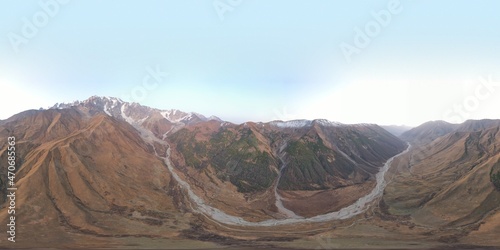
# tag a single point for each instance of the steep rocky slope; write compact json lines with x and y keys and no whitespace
{"x":92,"y":175}
{"x":448,"y":183}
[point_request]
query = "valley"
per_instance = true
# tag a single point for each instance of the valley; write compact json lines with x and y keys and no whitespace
{"x":119,"y":173}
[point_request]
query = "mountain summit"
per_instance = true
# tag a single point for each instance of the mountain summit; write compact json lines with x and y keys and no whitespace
{"x":132,"y":112}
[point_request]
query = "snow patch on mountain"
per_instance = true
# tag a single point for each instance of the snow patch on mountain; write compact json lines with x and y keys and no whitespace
{"x":291,"y":124}
{"x":328,"y":123}
{"x":174,"y":115}
{"x":115,"y":107}
{"x":305,"y":123}
{"x":106,"y":110}
{"x":125,"y":117}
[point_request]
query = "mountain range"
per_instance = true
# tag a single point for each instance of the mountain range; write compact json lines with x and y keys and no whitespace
{"x":104,"y":171}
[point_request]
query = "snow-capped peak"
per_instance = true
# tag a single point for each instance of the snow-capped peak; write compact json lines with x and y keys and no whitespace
{"x":111,"y":102}
{"x":214,"y":118}
{"x":328,"y":123}
{"x":291,"y":124}
{"x":177,"y":116}
{"x":132,"y":112}
{"x":174,"y":115}
{"x":305,"y":123}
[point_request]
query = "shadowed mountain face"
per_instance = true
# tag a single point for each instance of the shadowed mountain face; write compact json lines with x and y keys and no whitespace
{"x":311,"y":157}
{"x":336,"y":156}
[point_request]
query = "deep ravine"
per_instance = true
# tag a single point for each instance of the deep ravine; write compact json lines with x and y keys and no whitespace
{"x":279,"y":203}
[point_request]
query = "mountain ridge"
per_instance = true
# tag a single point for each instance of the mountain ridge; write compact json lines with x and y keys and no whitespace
{"x":106,"y":103}
{"x":307,"y":155}
{"x":98,"y":170}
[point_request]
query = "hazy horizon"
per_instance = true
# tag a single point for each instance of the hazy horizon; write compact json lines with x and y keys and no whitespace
{"x":385,"y":62}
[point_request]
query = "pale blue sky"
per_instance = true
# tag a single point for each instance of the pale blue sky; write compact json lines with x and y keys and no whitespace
{"x":266,"y":60}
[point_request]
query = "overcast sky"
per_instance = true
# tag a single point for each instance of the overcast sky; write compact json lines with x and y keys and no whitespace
{"x":384,"y":62}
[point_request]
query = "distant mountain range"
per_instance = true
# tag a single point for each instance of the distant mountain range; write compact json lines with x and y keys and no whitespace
{"x":396,"y":130}
{"x":104,"y":167}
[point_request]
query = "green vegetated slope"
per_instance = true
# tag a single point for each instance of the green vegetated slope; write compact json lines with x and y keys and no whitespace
{"x":311,"y":165}
{"x":495,"y":175}
{"x":236,"y":155}
{"x":331,"y":157}
{"x":250,"y":156}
